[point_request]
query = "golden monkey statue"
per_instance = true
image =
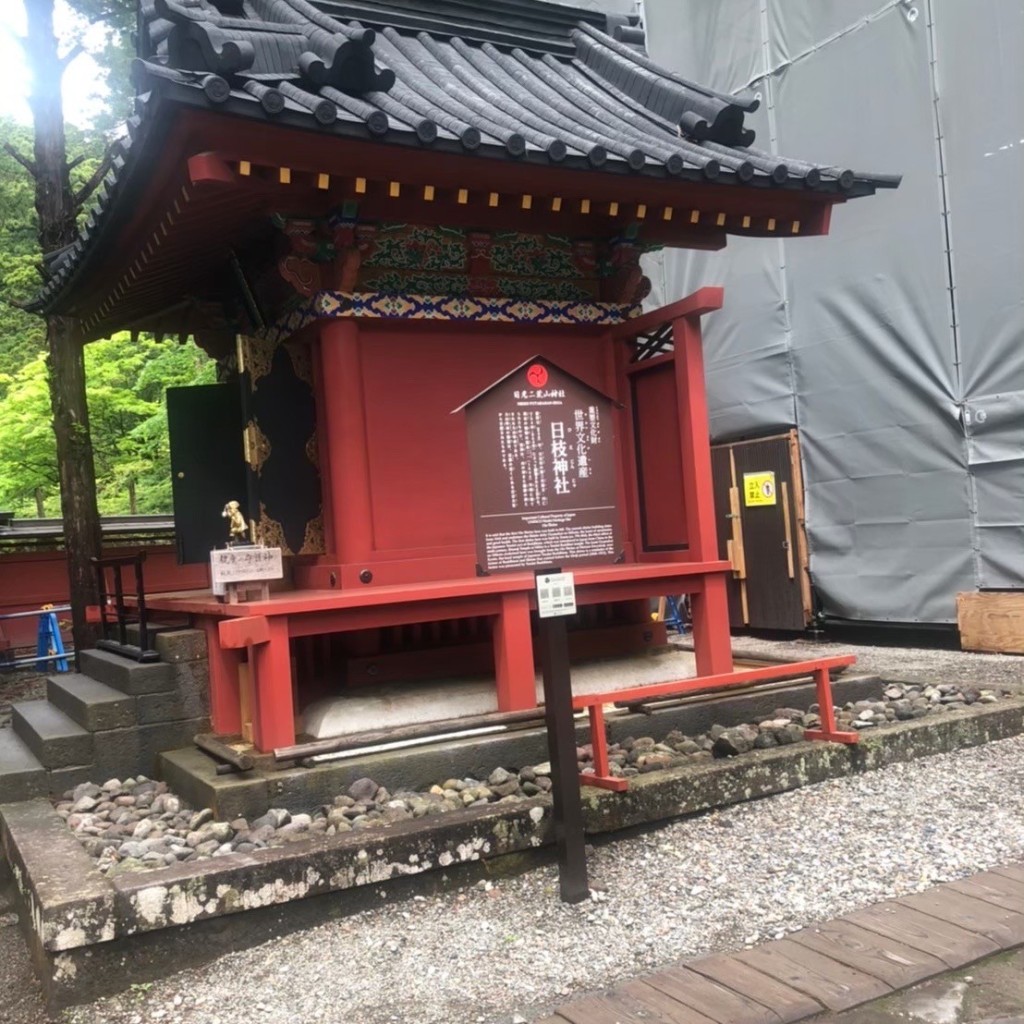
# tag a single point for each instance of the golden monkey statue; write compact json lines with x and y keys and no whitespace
{"x":237,"y":529}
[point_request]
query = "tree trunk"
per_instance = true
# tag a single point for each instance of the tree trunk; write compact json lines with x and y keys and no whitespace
{"x":40,"y":506}
{"x":82,"y":536}
{"x":133,"y":505}
{"x":56,"y":211}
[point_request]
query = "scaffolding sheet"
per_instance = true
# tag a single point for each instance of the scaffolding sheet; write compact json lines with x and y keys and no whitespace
{"x":857,"y":339}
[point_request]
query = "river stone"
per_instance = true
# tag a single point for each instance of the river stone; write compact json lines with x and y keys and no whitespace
{"x":737,"y":740}
{"x":219,"y":830}
{"x":792,"y":733}
{"x":499,"y":777}
{"x":363,"y":790}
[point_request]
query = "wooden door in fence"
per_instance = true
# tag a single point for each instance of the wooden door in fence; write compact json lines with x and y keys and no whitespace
{"x":759,"y":503}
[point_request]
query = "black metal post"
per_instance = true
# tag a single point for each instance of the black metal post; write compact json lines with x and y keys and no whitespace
{"x":568,"y":810}
{"x":119,"y":607}
{"x":140,"y":596}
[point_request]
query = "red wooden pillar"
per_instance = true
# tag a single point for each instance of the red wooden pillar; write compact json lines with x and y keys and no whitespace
{"x":513,"y":654}
{"x":225,"y":702}
{"x":344,"y":419}
{"x":274,"y":708}
{"x":710,"y":607}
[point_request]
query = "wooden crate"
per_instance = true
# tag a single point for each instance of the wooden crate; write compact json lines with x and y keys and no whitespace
{"x":991,"y":621}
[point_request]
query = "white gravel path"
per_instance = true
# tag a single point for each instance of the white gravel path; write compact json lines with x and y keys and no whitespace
{"x":509,"y":952}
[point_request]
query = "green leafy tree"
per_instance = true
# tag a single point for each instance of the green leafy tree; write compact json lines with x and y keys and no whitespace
{"x":128,"y":419}
{"x":58,"y":204}
{"x":22,"y":336}
{"x":29,"y":482}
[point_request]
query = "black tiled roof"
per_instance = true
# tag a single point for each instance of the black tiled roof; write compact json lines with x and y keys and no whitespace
{"x":525,"y":76}
{"x":524,"y":79}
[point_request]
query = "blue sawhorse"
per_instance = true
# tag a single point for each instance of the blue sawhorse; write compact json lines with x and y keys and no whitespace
{"x":674,"y":615}
{"x":48,"y":642}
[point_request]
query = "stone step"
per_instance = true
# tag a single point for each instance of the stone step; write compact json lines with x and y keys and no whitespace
{"x":126,"y":675}
{"x":52,"y":737}
{"x":152,"y":629}
{"x":92,"y":704}
{"x":22,"y":777}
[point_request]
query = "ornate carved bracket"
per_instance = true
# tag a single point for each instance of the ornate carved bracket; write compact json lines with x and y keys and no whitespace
{"x":623,"y":279}
{"x":307,"y":250}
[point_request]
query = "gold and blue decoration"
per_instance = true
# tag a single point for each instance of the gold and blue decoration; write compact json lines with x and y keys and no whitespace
{"x":330,"y":305}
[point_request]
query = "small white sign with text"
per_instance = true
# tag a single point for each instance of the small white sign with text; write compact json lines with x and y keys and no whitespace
{"x":244,"y":565}
{"x":556,"y":595}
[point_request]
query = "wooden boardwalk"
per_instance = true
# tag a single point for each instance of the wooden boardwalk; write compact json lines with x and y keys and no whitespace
{"x":828,"y":967}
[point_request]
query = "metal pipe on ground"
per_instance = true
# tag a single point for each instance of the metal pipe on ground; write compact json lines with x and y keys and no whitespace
{"x":426,"y":730}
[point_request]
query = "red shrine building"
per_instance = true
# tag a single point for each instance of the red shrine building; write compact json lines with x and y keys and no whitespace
{"x":369,"y":212}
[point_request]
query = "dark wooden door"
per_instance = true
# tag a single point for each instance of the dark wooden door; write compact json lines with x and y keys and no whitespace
{"x":207,"y":464}
{"x":759,"y":503}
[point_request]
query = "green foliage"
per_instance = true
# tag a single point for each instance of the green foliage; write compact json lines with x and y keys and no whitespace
{"x":23,"y":336}
{"x":125,"y":382}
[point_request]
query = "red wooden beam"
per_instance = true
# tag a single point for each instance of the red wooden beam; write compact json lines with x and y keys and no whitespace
{"x":704,"y":300}
{"x":244,"y":632}
{"x":209,"y":168}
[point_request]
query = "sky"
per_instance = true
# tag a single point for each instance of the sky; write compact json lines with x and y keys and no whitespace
{"x":81,"y":81}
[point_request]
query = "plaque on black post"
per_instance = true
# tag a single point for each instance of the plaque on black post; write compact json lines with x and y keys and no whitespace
{"x":545,"y":497}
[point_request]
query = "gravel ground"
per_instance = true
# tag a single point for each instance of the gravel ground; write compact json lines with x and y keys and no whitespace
{"x":508,"y":951}
{"x":511,"y":951}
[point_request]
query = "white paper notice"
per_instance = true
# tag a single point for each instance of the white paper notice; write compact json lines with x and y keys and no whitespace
{"x":556,"y":595}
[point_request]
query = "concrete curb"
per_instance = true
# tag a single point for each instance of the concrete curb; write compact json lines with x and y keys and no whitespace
{"x":75,"y":917}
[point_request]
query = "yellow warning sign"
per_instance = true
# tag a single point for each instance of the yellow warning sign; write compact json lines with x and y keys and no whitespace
{"x":758,"y":489}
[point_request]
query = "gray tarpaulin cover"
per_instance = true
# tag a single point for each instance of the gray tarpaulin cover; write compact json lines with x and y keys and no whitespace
{"x":895,"y":344}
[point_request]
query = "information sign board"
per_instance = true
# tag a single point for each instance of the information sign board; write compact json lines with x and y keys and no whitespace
{"x":542,"y":458}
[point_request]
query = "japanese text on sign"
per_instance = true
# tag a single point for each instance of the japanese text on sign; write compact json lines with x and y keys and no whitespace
{"x":759,"y":489}
{"x":245,"y":565}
